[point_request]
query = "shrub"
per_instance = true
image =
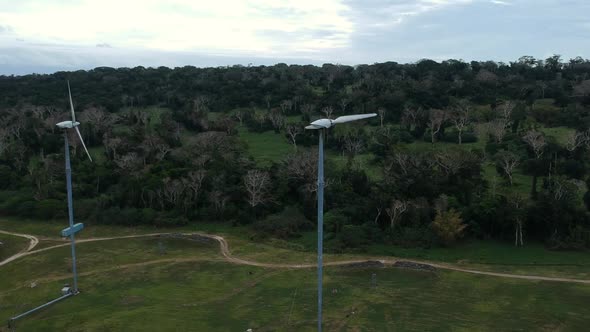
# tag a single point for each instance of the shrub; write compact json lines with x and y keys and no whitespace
{"x":448,"y":226}
{"x":50,"y":208}
{"x":289,"y":223}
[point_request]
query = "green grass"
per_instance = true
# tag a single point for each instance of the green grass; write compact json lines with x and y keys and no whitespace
{"x":213,"y":116}
{"x":98,"y":154}
{"x":533,"y":258}
{"x":55,"y":264}
{"x":293,"y":119}
{"x":364,"y":161}
{"x":521,"y":183}
{"x":216,"y":296}
{"x":266,"y":147}
{"x":560,"y":133}
{"x":172,"y":284}
{"x":423,"y":146}
{"x":11,"y":245}
{"x":155,"y":114}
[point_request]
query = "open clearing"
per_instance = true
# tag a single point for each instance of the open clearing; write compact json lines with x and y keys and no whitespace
{"x":170,"y":284}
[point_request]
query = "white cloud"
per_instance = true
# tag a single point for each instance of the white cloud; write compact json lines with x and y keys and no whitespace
{"x":500,"y":2}
{"x":181,"y":25}
{"x":400,"y":11}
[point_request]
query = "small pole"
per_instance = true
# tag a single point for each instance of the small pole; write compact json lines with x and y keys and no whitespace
{"x":320,"y":223}
{"x":71,"y":210}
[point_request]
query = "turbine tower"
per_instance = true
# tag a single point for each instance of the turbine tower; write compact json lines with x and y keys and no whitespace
{"x":72,"y":229}
{"x":321,"y":125}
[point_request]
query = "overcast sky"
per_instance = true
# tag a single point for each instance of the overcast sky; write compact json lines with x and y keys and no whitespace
{"x":45,"y":36}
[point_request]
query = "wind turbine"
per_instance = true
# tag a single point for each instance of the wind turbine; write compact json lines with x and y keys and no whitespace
{"x":72,"y":229}
{"x":322,"y":125}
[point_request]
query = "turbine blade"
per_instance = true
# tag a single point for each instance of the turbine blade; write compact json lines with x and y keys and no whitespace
{"x":84,"y":145}
{"x":71,"y":103}
{"x":348,"y":118}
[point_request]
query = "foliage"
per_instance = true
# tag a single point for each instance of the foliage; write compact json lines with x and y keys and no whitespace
{"x":173,"y":146}
{"x":288,"y":223}
{"x":448,"y":226}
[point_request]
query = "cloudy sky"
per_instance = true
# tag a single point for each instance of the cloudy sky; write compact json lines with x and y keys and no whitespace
{"x":44,"y":36}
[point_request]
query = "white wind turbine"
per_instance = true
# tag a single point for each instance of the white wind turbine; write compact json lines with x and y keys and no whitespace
{"x":322,"y":125}
{"x":72,"y":229}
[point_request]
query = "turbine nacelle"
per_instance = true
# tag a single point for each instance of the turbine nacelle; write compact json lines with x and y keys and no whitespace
{"x":320,"y":124}
{"x":68,"y":124}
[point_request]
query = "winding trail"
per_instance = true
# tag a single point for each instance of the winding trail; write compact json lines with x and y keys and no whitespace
{"x":33,"y":241}
{"x":228,"y":257}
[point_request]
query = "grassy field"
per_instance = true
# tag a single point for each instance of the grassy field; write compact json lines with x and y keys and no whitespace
{"x":495,"y":256}
{"x":266,"y":147}
{"x":11,"y":245}
{"x":216,"y":296}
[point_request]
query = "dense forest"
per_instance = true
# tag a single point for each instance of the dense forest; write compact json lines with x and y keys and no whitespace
{"x":459,"y":150}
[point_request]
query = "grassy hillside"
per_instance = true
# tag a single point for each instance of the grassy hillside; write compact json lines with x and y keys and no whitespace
{"x":132,"y":284}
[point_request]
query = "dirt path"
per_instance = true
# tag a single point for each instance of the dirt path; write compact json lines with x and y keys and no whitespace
{"x":33,"y":241}
{"x":226,"y":253}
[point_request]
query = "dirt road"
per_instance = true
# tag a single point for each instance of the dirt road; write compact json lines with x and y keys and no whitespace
{"x":226,"y":253}
{"x":33,"y":241}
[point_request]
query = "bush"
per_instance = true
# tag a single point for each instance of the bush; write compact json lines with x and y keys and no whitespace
{"x":17,"y":203}
{"x":50,"y":208}
{"x":448,"y":226}
{"x":466,"y":137}
{"x":289,"y":223}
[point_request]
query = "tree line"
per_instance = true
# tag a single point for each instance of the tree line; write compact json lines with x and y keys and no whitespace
{"x":458,"y":150}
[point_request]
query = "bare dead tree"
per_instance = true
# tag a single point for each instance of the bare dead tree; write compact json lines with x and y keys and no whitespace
{"x":505,"y":109}
{"x":381,"y":112}
{"x":297,"y":102}
{"x":435,"y":122}
{"x":219,"y":200}
{"x":352,"y":145}
{"x":239,"y":114}
{"x":267,"y":100}
{"x":379,"y":210}
{"x":260,"y":118}
{"x":343,"y":103}
{"x":536,"y":141}
{"x":201,"y":103}
{"x":193,"y":182}
{"x":395,"y":211}
{"x":450,"y":162}
{"x":576,"y":139}
{"x":277,"y":119}
{"x":292,"y":132}
{"x":257,"y":185}
{"x":403,"y":161}
{"x":460,"y":118}
{"x":17,"y":124}
{"x":172,"y":191}
{"x":518,"y":202}
{"x":328,"y":111}
{"x":497,"y":129}
{"x":302,"y":166}
{"x":128,"y":162}
{"x":508,"y":161}
{"x":111,"y":145}
{"x":307,"y":110}
{"x":286,"y":106}
{"x":99,"y":120}
{"x":411,"y":116}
